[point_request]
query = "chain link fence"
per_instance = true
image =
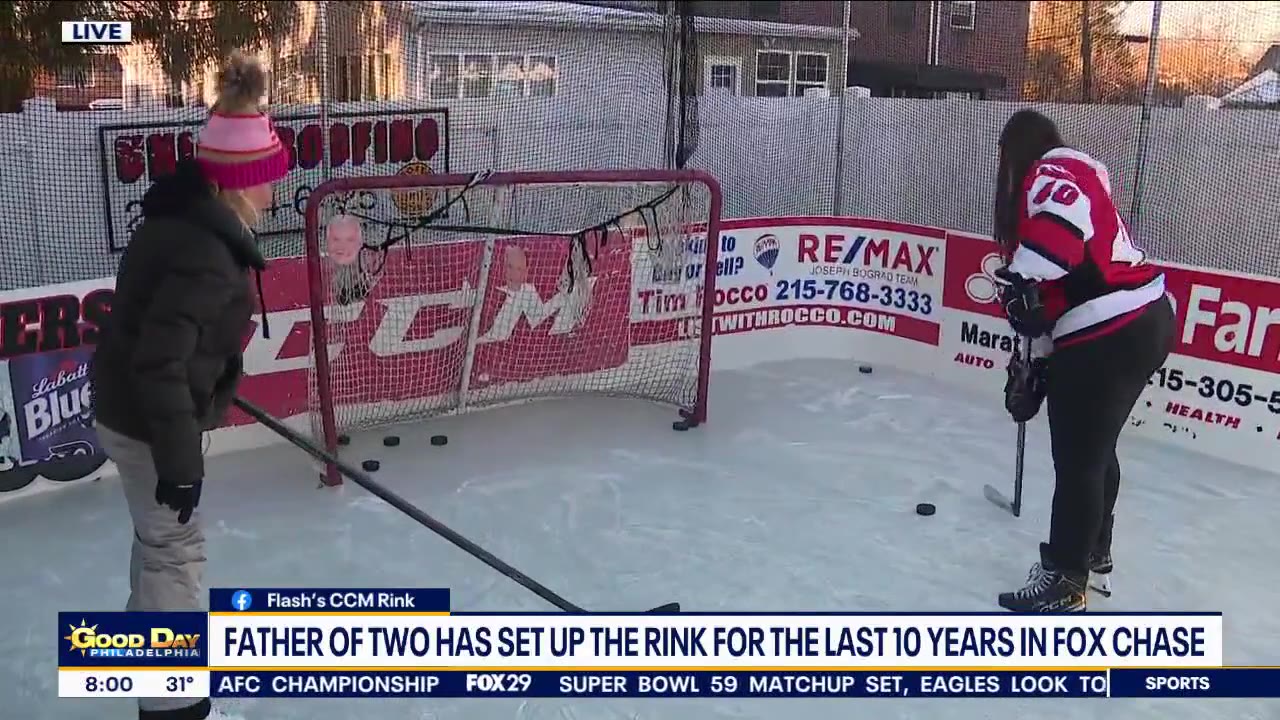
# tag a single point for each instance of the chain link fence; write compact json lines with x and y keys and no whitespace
{"x":882,"y":109}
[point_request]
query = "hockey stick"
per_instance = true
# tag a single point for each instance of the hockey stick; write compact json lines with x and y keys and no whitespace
{"x":408,"y":508}
{"x":994,"y":495}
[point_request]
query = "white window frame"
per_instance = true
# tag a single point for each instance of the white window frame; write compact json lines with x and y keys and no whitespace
{"x":715,"y":61}
{"x":798,"y":85}
{"x":791,"y":72}
{"x":966,"y":11}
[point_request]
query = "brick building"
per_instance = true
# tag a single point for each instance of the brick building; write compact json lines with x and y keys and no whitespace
{"x":99,"y":84}
{"x":907,"y":48}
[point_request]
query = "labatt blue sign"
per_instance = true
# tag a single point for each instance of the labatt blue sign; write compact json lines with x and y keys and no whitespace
{"x":46,"y":411}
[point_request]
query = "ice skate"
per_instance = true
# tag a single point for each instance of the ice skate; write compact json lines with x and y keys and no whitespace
{"x":1047,"y":590}
{"x":1100,"y":574}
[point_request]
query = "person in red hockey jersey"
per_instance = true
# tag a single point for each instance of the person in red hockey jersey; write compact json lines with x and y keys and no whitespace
{"x":1100,"y":324}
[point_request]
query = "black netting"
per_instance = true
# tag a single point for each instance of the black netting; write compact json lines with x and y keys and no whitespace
{"x":878,"y":109}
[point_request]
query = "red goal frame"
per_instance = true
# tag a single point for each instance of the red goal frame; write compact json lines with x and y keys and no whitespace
{"x":318,"y":294}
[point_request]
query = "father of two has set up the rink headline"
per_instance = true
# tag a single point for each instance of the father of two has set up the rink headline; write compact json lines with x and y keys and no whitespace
{"x":325,"y":643}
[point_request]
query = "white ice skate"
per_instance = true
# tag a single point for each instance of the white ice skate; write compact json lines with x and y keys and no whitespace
{"x":1100,"y":574}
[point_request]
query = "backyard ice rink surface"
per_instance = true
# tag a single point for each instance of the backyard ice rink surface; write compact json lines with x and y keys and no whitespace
{"x":798,"y":495}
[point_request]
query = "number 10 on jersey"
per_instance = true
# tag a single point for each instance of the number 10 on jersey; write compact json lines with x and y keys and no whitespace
{"x":133,"y":683}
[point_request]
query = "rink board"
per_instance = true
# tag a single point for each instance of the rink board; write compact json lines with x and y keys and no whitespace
{"x":872,"y":291}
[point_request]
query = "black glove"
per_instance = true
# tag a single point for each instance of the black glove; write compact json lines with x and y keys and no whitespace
{"x":1026,"y":387}
{"x":182,"y":499}
{"x":1020,"y":299}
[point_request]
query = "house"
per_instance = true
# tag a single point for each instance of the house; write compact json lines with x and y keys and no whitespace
{"x":940,"y":49}
{"x":473,"y":51}
{"x":1270,"y":60}
{"x":360,"y":39}
{"x":99,"y":84}
{"x":905,"y":48}
{"x":1262,"y":88}
{"x":558,"y":47}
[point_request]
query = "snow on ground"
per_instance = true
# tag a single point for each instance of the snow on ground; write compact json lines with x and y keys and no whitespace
{"x":799,"y":495}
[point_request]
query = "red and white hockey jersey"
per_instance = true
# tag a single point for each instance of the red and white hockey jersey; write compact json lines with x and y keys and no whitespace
{"x":1072,"y":240}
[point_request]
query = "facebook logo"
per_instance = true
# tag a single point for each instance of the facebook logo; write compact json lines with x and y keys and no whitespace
{"x":241,"y":600}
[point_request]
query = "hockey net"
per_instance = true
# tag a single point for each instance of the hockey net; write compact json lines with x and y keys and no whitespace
{"x":440,"y":294}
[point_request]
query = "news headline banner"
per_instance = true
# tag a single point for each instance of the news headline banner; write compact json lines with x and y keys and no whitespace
{"x":273,"y":630}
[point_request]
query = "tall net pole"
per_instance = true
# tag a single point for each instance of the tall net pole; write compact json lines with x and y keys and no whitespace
{"x":842,"y":102}
{"x":1144,"y":123}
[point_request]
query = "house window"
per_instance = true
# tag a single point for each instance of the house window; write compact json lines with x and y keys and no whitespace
{"x":723,"y":75}
{"x":289,"y":81}
{"x":902,"y":15}
{"x":362,"y":77}
{"x":508,"y":76}
{"x":75,"y":77}
{"x":476,"y":76}
{"x":811,"y":72}
{"x":541,"y":75}
{"x":773,"y":73}
{"x":963,"y":14}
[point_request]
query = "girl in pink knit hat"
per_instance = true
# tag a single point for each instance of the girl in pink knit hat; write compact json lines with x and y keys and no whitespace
{"x":168,"y":361}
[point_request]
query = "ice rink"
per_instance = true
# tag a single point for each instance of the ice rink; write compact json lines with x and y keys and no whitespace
{"x":798,"y":495}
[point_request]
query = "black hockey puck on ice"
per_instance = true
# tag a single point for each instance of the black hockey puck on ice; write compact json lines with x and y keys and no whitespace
{"x":371,"y":465}
{"x":391,"y":440}
{"x":344,"y":439}
{"x":865,"y":369}
{"x":925,"y":509}
{"x":439,"y":440}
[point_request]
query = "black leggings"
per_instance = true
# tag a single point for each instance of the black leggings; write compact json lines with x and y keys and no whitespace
{"x":1093,"y":387}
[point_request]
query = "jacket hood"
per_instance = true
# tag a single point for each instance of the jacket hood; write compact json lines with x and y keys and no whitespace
{"x":188,"y":195}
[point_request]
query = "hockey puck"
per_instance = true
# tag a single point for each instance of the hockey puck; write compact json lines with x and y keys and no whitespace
{"x":344,"y":440}
{"x":371,"y":465}
{"x":439,"y":440}
{"x":865,"y":369}
{"x":391,"y":440}
{"x":925,"y":509}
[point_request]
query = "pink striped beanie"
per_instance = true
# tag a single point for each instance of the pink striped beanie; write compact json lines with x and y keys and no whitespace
{"x":238,"y":147}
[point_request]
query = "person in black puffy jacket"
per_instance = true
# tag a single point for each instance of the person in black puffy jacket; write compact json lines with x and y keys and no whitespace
{"x":169,"y":359}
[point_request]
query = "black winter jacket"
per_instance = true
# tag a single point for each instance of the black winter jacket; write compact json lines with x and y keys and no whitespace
{"x":169,"y":359}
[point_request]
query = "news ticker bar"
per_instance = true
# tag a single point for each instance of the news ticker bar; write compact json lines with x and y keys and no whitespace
{"x":1031,"y":683}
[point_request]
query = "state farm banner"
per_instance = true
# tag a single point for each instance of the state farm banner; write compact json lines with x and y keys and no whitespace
{"x":412,"y":141}
{"x":1219,"y":391}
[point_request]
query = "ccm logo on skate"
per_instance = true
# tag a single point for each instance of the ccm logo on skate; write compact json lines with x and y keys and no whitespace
{"x":163,"y":642}
{"x":1198,"y":682}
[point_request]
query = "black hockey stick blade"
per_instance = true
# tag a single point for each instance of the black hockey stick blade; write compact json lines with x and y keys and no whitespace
{"x":408,"y":508}
{"x":999,"y":500}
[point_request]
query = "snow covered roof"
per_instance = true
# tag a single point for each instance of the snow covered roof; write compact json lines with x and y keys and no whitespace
{"x":1263,"y":88}
{"x":574,"y":16}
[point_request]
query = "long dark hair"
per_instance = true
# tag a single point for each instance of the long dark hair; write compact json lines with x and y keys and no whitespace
{"x":1026,"y":137}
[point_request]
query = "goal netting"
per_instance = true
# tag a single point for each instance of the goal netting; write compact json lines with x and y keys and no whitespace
{"x":439,"y":294}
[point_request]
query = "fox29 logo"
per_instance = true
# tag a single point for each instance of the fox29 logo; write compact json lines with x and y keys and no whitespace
{"x":157,"y":642}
